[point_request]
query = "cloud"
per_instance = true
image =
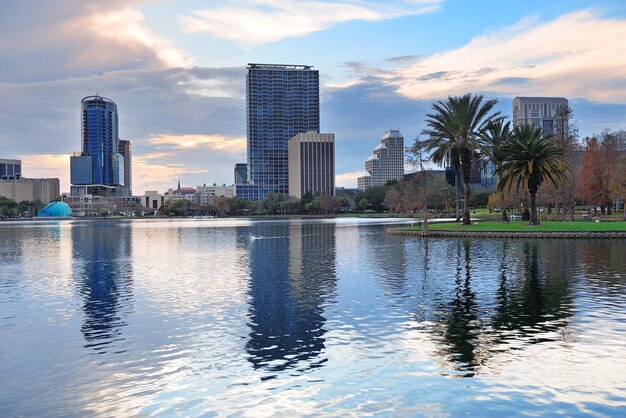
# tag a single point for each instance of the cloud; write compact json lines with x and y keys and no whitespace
{"x":257,"y":22}
{"x":43,"y":40}
{"x":235,"y":145}
{"x":578,"y":55}
{"x":348,"y":180}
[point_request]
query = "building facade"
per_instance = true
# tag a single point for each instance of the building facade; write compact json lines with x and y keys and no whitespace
{"x":281,"y":101}
{"x":125,"y":151}
{"x":541,"y":112}
{"x":206,"y":195}
{"x":30,"y":190}
{"x":386,"y":162}
{"x":312,"y":164}
{"x":99,"y":162}
{"x":10,"y":169}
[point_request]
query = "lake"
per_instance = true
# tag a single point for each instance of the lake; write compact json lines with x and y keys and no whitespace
{"x":305,"y":317}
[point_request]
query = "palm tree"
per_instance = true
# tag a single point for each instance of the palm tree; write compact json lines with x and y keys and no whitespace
{"x":493,"y":140}
{"x":531,"y":159}
{"x":454,"y":129}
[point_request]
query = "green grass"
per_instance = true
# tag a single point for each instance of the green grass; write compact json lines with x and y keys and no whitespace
{"x":523,"y":226}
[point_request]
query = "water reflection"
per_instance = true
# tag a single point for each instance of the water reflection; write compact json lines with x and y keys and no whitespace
{"x":292,"y":269}
{"x":533,"y":299}
{"x":103,"y":276}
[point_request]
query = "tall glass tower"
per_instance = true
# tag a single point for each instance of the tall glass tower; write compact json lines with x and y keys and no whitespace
{"x":282,"y":101}
{"x":99,"y":162}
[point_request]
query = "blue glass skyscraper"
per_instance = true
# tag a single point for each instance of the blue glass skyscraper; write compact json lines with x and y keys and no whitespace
{"x":282,"y":101}
{"x":99,"y":162}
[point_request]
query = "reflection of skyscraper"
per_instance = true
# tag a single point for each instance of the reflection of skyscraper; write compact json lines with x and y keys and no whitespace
{"x":292,"y":270}
{"x":104,"y":279}
{"x":99,"y":167}
{"x":282,"y":101}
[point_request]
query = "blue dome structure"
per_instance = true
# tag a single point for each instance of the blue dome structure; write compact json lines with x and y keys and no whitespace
{"x":55,"y":210}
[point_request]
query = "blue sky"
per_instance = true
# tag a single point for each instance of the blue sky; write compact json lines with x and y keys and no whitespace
{"x":176,"y":69}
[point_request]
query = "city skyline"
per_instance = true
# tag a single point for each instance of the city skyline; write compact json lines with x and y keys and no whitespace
{"x":177,"y":72}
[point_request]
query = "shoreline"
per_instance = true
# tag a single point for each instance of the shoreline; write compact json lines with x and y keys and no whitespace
{"x":509,"y":234}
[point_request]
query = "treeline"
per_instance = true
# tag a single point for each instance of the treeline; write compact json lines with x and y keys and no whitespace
{"x":12,"y":209}
{"x":401,"y":197}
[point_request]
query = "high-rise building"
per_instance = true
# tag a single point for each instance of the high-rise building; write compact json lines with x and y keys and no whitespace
{"x":312,"y":164}
{"x":10,"y":169}
{"x":386,"y":162}
{"x":540,"y":112}
{"x":99,"y":162}
{"x":125,"y":151}
{"x":241,"y":173}
{"x":282,"y":101}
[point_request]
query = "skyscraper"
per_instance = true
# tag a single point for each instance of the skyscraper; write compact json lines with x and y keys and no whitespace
{"x":125,"y":151}
{"x":99,"y":164}
{"x":282,"y":101}
{"x":540,"y":112}
{"x":386,"y":162}
{"x":312,"y":164}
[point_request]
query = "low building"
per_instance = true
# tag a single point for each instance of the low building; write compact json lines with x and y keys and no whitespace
{"x":180,"y":193}
{"x":152,"y":199}
{"x":206,"y":195}
{"x":30,"y":190}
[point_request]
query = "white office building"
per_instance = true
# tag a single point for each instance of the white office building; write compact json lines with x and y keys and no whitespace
{"x":386,"y":162}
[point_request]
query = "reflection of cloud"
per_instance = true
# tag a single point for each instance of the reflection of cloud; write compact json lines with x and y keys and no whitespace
{"x":576,"y":55}
{"x":215,"y":142}
{"x":257,"y":22}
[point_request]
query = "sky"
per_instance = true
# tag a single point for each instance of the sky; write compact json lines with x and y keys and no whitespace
{"x":176,"y":69}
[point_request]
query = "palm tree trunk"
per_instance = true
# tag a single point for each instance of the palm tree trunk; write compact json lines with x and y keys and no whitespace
{"x":457,"y":174}
{"x":466,"y":166}
{"x":533,"y":208}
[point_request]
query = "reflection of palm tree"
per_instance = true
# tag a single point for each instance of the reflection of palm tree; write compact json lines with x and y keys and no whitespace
{"x":540,"y":300}
{"x":460,"y":333}
{"x":531,"y":159}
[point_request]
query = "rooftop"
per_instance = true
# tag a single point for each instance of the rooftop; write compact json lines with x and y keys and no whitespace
{"x":279,"y":66}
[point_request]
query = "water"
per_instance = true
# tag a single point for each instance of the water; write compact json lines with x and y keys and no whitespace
{"x":296,"y":318}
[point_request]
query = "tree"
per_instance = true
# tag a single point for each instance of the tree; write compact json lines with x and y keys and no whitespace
{"x":593,"y":185}
{"x":454,"y":129}
{"x":531,"y":160}
{"x":493,"y":140}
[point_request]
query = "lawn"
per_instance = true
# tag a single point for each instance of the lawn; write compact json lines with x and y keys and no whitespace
{"x":523,"y":226}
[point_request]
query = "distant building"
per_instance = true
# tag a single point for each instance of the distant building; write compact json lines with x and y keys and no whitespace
{"x":10,"y":169}
{"x":180,"y":193}
{"x":152,"y":199}
{"x":44,"y":190}
{"x":282,"y":101}
{"x":99,"y":162}
{"x":205,"y":195}
{"x":540,"y":112}
{"x":125,"y":151}
{"x":241,"y":173}
{"x":386,"y":162}
{"x":312,"y":164}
